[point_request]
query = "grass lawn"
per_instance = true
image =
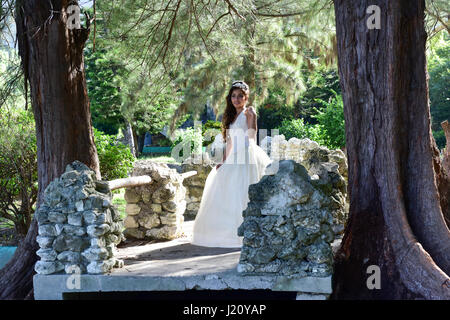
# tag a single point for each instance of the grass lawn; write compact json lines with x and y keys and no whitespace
{"x":159,"y":158}
{"x":119,"y":201}
{"x":118,"y":195}
{"x":7,"y":233}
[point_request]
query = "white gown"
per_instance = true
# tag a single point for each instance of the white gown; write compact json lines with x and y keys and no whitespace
{"x":225,"y":195}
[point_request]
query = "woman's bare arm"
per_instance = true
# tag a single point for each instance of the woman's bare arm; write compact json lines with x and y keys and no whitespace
{"x":251,"y":123}
{"x":229,"y":147}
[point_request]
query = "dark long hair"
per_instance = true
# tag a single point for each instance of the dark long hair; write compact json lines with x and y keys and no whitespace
{"x":230,"y":111}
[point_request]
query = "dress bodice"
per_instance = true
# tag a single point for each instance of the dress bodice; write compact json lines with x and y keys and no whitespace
{"x":239,"y":134}
{"x":239,"y":127}
{"x":240,"y":121}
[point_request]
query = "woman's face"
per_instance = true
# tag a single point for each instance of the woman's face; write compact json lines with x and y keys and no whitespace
{"x":238,"y":98}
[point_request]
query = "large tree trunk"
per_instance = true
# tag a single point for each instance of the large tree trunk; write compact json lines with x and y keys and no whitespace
{"x":395,"y":219}
{"x":52,"y":57}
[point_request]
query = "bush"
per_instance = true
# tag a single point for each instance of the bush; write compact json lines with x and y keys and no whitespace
{"x":331,"y":121}
{"x":439,"y":137}
{"x":297,"y":128}
{"x":209,"y":130}
{"x":192,"y":136}
{"x":330,"y":129}
{"x":18,"y":169}
{"x":115,"y":158}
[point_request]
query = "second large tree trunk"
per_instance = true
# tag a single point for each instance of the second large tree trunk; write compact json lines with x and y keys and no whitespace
{"x":52,"y":56}
{"x":395,"y":219}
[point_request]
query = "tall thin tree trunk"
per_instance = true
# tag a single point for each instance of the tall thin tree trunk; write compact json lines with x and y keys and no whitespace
{"x":395,"y":219}
{"x":140,"y":138}
{"x":52,"y":57}
{"x":129,"y":137}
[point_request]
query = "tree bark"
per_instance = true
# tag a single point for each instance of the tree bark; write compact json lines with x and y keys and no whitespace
{"x":395,"y":219}
{"x":52,"y":58}
{"x":446,"y":162}
{"x":443,"y":173}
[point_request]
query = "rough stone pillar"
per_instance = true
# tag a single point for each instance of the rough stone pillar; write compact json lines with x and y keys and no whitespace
{"x":155,"y":211}
{"x":195,"y":184}
{"x":290,"y":223}
{"x":79,"y":227}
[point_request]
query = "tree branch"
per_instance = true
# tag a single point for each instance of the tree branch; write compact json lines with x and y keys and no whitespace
{"x":215,"y":22}
{"x":234,"y":9}
{"x":438,"y":18}
{"x":280,"y":15}
{"x":132,"y":182}
{"x":201,"y":34}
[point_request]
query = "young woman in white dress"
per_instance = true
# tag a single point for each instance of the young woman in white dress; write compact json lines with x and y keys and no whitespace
{"x":225,"y":194}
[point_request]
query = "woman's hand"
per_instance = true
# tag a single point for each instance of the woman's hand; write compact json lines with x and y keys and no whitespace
{"x":250,"y":111}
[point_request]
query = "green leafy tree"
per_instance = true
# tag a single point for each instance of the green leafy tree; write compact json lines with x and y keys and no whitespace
{"x":201,"y":50}
{"x":439,"y":85}
{"x":12,"y":95}
{"x":105,"y":76}
{"x":18,"y":168}
{"x":274,"y":110}
{"x":321,"y":83}
{"x":121,"y":88}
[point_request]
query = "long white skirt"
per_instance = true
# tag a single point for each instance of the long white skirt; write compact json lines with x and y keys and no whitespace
{"x":225,"y":196}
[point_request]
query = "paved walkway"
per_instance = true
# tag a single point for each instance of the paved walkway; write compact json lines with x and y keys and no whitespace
{"x":176,"y":258}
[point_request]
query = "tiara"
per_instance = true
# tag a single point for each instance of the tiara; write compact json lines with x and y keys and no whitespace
{"x":240,"y":84}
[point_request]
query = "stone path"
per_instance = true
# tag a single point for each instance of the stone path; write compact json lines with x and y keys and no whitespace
{"x":176,"y":258}
{"x":180,"y":258}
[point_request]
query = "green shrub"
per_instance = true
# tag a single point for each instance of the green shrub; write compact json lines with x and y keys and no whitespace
{"x":115,"y":158}
{"x":297,"y":128}
{"x":209,"y":130}
{"x":331,"y":121}
{"x":439,"y":136}
{"x":191,"y":136}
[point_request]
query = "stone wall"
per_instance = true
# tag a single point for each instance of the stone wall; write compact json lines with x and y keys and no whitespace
{"x":304,"y":151}
{"x":195,"y":184}
{"x":289,"y":222}
{"x":78,"y":227}
{"x":312,"y":156}
{"x":155,"y":211}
